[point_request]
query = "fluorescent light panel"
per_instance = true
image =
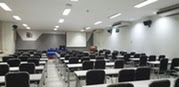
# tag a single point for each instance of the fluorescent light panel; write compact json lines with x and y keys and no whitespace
{"x":61,"y":20}
{"x":55,"y":29}
{"x":82,"y":30}
{"x":25,"y":25}
{"x":114,"y":16}
{"x":66,"y":11}
{"x":56,"y":26}
{"x":5,"y":7}
{"x":99,"y":22}
{"x":28,"y":28}
{"x":17,"y":18}
{"x":74,"y":0}
{"x":87,"y":28}
{"x":147,"y":2}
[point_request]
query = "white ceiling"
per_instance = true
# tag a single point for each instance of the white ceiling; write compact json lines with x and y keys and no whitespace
{"x":45,"y":14}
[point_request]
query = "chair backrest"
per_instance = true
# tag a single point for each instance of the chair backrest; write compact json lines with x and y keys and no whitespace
{"x":119,"y":63}
{"x":23,"y":58}
{"x":136,"y":55}
{"x":100,"y":57}
{"x":85,"y":54}
{"x":67,"y":57}
{"x":4,"y":69}
{"x":95,"y":77}
{"x":62,"y":54}
{"x":100,"y":64}
{"x":163,"y":65}
{"x":34,"y":60}
{"x":161,"y":57}
{"x":14,"y":62}
{"x":121,"y":85}
{"x":85,"y":59}
{"x":177,"y":83}
{"x":92,"y":56}
{"x":132,"y":53}
{"x":161,"y":83}
{"x":27,"y":55}
{"x":126,"y":75}
{"x":87,"y":65}
{"x":38,"y":54}
{"x":6,"y":58}
{"x":126,"y":58}
{"x":143,"y":54}
{"x":152,"y":58}
{"x":143,"y":61}
{"x":17,"y":79}
{"x":28,"y":67}
{"x":142,"y":74}
{"x":73,"y":60}
{"x":175,"y":62}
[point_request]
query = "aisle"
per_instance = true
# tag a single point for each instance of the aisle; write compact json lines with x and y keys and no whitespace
{"x":53,"y":79}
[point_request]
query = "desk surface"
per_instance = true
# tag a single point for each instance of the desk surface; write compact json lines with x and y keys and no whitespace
{"x":157,"y":62}
{"x":79,"y":65}
{"x":40,"y":62}
{"x":177,"y":67}
{"x":33,"y":77}
{"x":144,"y":83}
{"x":82,"y":73}
{"x":67,"y":61}
{"x":13,"y":69}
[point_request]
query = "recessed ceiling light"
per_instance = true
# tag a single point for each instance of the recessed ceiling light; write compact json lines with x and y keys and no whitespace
{"x":82,"y":30}
{"x":147,"y":2}
{"x":114,"y":16}
{"x":56,"y":26}
{"x":99,"y":22}
{"x":61,"y":20}
{"x":17,"y":18}
{"x":25,"y":25}
{"x":28,"y":28}
{"x":87,"y":28}
{"x":5,"y":7}
{"x":55,"y":29}
{"x":66,"y":11}
{"x":74,"y":0}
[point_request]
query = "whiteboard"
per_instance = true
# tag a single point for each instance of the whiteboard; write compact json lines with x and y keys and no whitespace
{"x":76,"y":39}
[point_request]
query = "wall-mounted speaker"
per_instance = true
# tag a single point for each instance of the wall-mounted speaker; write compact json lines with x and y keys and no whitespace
{"x":148,"y":23}
{"x":14,"y":27}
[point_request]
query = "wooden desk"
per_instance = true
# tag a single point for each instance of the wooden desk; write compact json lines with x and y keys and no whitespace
{"x":144,"y":83}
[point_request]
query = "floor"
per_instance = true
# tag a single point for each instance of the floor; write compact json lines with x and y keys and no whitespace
{"x":53,"y":79}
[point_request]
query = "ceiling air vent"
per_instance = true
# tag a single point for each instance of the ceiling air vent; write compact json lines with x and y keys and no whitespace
{"x":169,"y":11}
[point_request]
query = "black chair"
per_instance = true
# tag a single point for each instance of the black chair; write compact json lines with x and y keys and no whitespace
{"x":87,"y":65}
{"x":163,"y":66}
{"x":92,"y":56}
{"x":100,"y":57}
{"x":85,"y":54}
{"x":28,"y":67}
{"x":152,"y":58}
{"x":100,"y":64}
{"x":6,"y":58}
{"x":107,"y":53}
{"x":175,"y":62}
{"x":38,"y":55}
{"x":14,"y":62}
{"x":142,"y":74}
{"x":143,"y":54}
{"x":161,"y":83}
{"x":27,"y":55}
{"x":33,"y":60}
{"x":121,"y":85}
{"x":62,"y":54}
{"x":119,"y":63}
{"x":161,"y":57}
{"x":177,"y":83}
{"x":126,"y":75}
{"x":85,"y":59}
{"x":95,"y":77}
{"x":73,"y":60}
{"x":17,"y":79}
{"x":4,"y":69}
{"x":132,"y":53}
{"x":143,"y":61}
{"x":23,"y":58}
{"x":136,"y":55}
{"x":126,"y":58}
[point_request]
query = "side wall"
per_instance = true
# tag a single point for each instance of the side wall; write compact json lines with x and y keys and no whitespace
{"x":160,"y":38}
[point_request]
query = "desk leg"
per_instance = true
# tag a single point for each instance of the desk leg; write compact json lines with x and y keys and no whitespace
{"x":77,"y":81}
{"x":68,"y":78}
